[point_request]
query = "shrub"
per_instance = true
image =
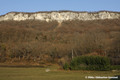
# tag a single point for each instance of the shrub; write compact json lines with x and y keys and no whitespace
{"x":90,"y":63}
{"x":66,"y":66}
{"x":115,"y":67}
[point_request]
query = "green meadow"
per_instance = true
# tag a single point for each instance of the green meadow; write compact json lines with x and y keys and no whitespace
{"x":36,"y":73}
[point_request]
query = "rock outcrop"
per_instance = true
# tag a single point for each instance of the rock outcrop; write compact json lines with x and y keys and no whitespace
{"x":60,"y":16}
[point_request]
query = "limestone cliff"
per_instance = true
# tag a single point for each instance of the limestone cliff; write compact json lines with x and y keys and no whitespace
{"x":60,"y":16}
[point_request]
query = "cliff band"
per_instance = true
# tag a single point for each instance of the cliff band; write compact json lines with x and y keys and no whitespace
{"x":60,"y":16}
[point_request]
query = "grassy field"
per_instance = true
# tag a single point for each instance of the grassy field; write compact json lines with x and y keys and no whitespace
{"x":9,"y":73}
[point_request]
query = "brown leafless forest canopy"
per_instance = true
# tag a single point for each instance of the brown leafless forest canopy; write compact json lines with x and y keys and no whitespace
{"x":53,"y":42}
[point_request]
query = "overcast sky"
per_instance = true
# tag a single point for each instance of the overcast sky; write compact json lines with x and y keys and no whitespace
{"x":53,"y":5}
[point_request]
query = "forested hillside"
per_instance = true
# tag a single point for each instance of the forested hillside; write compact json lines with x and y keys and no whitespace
{"x":39,"y":42}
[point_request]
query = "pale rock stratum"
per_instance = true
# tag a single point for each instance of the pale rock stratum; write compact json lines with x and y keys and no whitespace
{"x":60,"y":16}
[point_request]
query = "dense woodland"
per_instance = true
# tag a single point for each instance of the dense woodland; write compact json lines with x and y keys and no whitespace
{"x":52,"y":42}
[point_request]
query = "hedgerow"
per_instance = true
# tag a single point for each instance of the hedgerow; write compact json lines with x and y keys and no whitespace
{"x":90,"y":63}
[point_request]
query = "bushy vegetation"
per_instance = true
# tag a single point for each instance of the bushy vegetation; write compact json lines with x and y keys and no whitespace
{"x":90,"y":63}
{"x":39,"y":41}
{"x":115,"y":67}
{"x":66,"y":66}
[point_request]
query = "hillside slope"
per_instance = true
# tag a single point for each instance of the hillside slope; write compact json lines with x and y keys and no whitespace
{"x":37,"y":41}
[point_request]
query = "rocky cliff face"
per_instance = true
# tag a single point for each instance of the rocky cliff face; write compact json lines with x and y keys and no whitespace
{"x":60,"y":16}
